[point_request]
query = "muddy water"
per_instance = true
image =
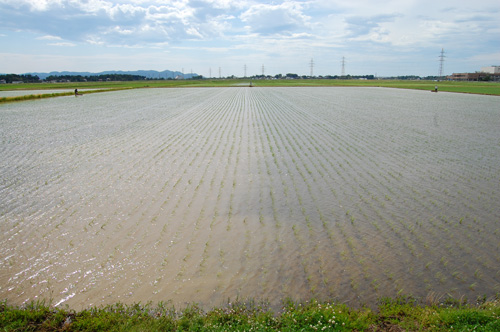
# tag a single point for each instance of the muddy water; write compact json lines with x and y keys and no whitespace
{"x":200,"y":195}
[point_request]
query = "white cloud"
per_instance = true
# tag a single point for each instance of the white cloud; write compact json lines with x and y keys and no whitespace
{"x":359,"y":26}
{"x":108,"y":22}
{"x":275,"y":19}
{"x":40,"y":5}
{"x":62,"y":44}
{"x":287,"y":30}
{"x":49,"y":37}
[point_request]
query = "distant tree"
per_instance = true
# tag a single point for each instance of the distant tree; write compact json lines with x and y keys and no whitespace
{"x":95,"y":78}
{"x":28,"y":78}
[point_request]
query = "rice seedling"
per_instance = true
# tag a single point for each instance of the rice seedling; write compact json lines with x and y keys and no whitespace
{"x":212,"y":169}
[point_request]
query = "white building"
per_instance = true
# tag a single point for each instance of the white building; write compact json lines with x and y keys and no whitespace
{"x":491,"y":69}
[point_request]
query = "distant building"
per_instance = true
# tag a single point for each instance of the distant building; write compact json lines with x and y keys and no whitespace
{"x":491,"y":73}
{"x":491,"y":69}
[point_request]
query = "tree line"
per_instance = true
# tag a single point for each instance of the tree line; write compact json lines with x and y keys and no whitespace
{"x":95,"y":78}
{"x":9,"y":78}
{"x":304,"y":77}
{"x":28,"y":78}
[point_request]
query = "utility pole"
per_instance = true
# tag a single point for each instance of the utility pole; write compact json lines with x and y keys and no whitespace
{"x":441,"y":64}
{"x":311,"y":64}
{"x":343,"y":67}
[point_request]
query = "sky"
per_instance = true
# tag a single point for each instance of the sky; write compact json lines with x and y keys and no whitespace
{"x":234,"y":37}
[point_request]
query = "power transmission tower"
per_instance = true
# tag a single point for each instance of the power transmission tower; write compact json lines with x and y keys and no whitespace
{"x":210,"y":72}
{"x":245,"y":69}
{"x":441,"y":64}
{"x":343,"y":67}
{"x":311,"y":64}
{"x":219,"y":73}
{"x":262,"y":70}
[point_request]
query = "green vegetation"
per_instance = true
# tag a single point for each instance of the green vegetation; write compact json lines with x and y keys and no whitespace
{"x":50,"y":95}
{"x":401,"y":314}
{"x":120,"y":84}
{"x":490,"y":88}
{"x":95,"y":78}
{"x":487,"y":88}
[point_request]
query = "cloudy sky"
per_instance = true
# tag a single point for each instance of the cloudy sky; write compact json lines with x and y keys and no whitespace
{"x":384,"y":38}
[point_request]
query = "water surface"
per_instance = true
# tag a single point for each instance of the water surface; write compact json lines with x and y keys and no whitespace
{"x":205,"y":194}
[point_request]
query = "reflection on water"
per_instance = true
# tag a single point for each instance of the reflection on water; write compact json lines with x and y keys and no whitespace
{"x":200,"y":195}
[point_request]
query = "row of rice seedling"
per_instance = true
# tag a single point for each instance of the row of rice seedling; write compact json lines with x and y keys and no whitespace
{"x":393,"y":217}
{"x":108,"y":174}
{"x":307,"y":222}
{"x":235,"y":192}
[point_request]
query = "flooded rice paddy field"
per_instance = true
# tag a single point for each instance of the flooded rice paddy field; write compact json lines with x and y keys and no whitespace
{"x":204,"y":194}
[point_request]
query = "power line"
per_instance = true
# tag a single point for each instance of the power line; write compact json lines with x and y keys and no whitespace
{"x":441,"y":63}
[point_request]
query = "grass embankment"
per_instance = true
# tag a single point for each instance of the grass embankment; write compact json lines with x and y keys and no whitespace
{"x":99,"y":87}
{"x":487,"y":88}
{"x":402,"y":314}
{"x":50,"y":95}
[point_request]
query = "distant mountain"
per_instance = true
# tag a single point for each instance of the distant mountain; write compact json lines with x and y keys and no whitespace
{"x":147,"y":73}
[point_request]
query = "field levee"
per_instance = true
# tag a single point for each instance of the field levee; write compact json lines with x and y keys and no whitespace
{"x":205,"y":194}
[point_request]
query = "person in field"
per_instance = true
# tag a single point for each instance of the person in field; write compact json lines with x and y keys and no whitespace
{"x":77,"y":93}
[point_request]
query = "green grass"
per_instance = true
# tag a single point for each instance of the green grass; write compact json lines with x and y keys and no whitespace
{"x":50,"y":95}
{"x":400,"y":314}
{"x":120,"y":85}
{"x":487,"y":88}
{"x":490,"y":88}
